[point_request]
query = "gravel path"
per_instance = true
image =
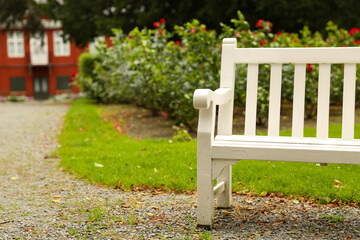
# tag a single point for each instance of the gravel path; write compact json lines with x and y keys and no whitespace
{"x":38,"y":200}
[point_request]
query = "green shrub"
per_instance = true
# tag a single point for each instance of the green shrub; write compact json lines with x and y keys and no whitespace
{"x":151,"y":69}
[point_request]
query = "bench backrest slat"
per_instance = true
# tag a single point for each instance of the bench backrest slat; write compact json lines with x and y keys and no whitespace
{"x":348,"y":117}
{"x":322,"y":122}
{"x":299,"y":100}
{"x":332,"y":55}
{"x":275,"y":100}
{"x":348,"y":56}
{"x":251,"y":99}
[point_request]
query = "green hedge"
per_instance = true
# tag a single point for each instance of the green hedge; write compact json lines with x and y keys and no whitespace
{"x":151,"y":69}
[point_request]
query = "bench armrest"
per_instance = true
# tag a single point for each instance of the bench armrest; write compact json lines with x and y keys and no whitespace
{"x":203,"y":97}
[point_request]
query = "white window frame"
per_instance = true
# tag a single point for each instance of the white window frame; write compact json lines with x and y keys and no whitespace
{"x":63,"y":48}
{"x":15,"y":41}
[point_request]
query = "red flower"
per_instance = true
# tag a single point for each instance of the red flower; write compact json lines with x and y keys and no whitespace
{"x":160,"y":32}
{"x":193,"y":30}
{"x":177,"y":42}
{"x":353,"y":31}
{"x":204,"y":29}
{"x":156,"y":25}
{"x":295,"y":40}
{"x":162,"y":20}
{"x":274,"y":39}
{"x":310,"y":67}
{"x":258,"y":23}
{"x":356,"y":41}
{"x":278,"y":33}
{"x":130,"y":36}
{"x":263,"y":42}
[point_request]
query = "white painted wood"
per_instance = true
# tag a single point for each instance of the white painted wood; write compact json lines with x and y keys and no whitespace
{"x":251,"y":99}
{"x":220,"y":187}
{"x":298,"y":101}
{"x":274,"y":100}
{"x":348,"y":115}
{"x":203,"y":97}
{"x":322,"y":121}
{"x":297,"y":55}
{"x":288,"y":140}
{"x":216,"y":154}
{"x":206,"y":127}
{"x":286,"y":152}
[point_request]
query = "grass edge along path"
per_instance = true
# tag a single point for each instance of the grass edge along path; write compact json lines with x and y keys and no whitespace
{"x":92,"y":149}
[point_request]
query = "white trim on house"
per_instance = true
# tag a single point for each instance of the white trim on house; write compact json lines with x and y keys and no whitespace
{"x":61,"y":48}
{"x":15,"y":44}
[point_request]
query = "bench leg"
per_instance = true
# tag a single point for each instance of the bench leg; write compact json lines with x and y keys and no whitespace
{"x":224,"y":198}
{"x":205,"y":207}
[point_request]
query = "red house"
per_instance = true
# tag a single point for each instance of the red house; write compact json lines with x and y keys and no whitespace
{"x":37,"y":67}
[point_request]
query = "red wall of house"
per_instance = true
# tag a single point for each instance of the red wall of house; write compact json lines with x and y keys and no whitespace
{"x":21,"y":67}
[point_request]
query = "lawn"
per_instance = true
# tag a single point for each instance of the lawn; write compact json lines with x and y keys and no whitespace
{"x":92,"y":149}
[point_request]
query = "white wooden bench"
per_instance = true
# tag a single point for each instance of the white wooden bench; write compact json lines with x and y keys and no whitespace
{"x":217,"y":153}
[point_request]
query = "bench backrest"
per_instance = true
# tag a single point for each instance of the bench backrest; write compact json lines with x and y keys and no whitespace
{"x":231,"y":55}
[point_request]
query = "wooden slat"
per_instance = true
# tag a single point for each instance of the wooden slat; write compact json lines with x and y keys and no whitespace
{"x":298,"y":101}
{"x":298,"y":55}
{"x":274,"y":100}
{"x":348,"y":116}
{"x":322,"y":123}
{"x":251,"y":99}
{"x":219,"y":188}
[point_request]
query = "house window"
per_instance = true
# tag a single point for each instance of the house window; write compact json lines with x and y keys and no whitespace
{"x":63,"y":82}
{"x":17,"y":84}
{"x":15,"y":44}
{"x":61,"y":48}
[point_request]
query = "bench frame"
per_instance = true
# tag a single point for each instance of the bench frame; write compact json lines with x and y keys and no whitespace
{"x":216,"y":154}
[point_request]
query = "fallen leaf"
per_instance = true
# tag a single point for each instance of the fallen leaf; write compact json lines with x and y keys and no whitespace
{"x":226,"y":212}
{"x":155,"y":207}
{"x":295,"y":201}
{"x":337,"y":182}
{"x":13,"y":178}
{"x":55,"y":200}
{"x":98,"y":165}
{"x":155,"y":170}
{"x":263,"y":194}
{"x":268,"y":232}
{"x":150,"y":214}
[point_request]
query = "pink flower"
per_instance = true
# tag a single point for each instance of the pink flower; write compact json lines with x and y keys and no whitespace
{"x":258,"y":23}
{"x":162,"y":20}
{"x":156,"y":25}
{"x":310,"y":67}
{"x":138,"y":138}
{"x":236,"y":34}
{"x":353,"y":31}
{"x":193,"y":31}
{"x":80,"y":129}
{"x":160,"y":32}
{"x":165,"y":115}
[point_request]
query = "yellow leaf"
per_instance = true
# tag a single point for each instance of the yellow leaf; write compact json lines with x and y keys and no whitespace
{"x":56,"y":200}
{"x":150,"y":214}
{"x":155,"y":170}
{"x":263,"y":194}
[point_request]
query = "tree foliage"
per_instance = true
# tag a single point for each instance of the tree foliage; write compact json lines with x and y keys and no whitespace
{"x":21,"y":11}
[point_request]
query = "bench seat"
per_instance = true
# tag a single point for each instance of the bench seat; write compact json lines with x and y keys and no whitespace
{"x":331,"y":150}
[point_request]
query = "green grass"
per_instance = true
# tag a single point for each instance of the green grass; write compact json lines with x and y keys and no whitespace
{"x":128,"y":162}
